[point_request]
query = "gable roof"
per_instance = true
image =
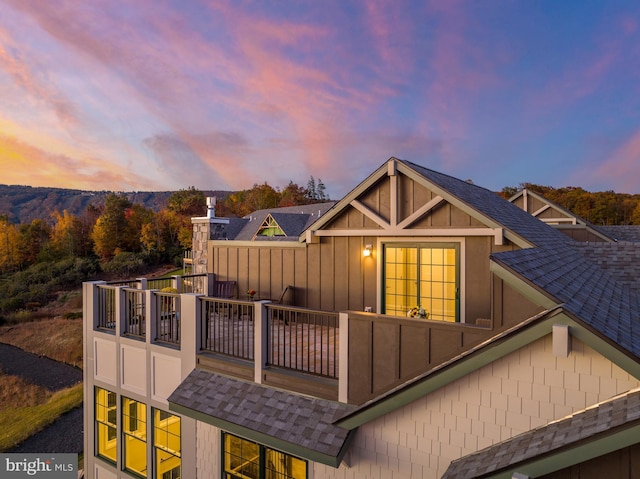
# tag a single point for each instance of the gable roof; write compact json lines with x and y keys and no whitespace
{"x":292,"y":220}
{"x":592,"y":432}
{"x":480,"y":203}
{"x":293,"y":423}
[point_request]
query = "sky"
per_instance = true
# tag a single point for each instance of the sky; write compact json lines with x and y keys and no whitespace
{"x":158,"y":95}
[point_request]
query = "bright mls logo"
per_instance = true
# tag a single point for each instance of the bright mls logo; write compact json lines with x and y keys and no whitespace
{"x":49,"y":466}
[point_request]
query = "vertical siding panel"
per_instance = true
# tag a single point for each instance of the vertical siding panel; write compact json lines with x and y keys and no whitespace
{"x":276,"y":272}
{"x":341,"y":283}
{"x":313,"y":274}
{"x":327,"y":275}
{"x":477,"y":288}
{"x":355,"y":262}
{"x":301,"y":280}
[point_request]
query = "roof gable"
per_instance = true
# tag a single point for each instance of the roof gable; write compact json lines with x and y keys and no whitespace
{"x":404,"y":198}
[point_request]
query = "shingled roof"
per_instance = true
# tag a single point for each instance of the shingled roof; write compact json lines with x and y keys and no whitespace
{"x":516,"y":454}
{"x":296,"y":424}
{"x":593,"y":294}
{"x":293,"y":220}
{"x":491,"y":205}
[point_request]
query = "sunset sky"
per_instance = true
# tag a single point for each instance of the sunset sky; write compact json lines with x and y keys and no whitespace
{"x":162,"y":95}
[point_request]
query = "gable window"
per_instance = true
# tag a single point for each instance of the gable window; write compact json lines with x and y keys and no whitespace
{"x":134,"y":425}
{"x":422,"y":275}
{"x":106,"y":417}
{"x":270,"y":227}
{"x":248,"y":460}
{"x":166,"y":444}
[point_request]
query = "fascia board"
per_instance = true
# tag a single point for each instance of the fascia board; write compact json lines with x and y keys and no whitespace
{"x":259,"y":244}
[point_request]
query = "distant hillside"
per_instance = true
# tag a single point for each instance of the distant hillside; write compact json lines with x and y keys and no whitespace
{"x":23,"y":204}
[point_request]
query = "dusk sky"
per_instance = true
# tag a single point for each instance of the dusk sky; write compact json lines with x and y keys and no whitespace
{"x":162,"y":95}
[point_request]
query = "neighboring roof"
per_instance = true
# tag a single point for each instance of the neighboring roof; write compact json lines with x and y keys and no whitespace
{"x":293,"y":220}
{"x":296,"y":424}
{"x":595,"y":431}
{"x":621,"y":232}
{"x":593,"y":294}
{"x":577,"y":220}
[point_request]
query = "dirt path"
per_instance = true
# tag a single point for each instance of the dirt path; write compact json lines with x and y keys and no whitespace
{"x":65,"y":435}
{"x":38,"y":369}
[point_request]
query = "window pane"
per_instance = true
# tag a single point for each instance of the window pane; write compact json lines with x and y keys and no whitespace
{"x":167,"y":444}
{"x":105,"y":415}
{"x":279,"y":465}
{"x":241,"y":458}
{"x":134,"y":426}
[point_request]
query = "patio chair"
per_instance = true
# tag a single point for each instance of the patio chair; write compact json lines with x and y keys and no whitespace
{"x":224,"y":289}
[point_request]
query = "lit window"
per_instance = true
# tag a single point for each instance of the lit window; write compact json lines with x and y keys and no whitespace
{"x":166,"y":444}
{"x":134,"y":427}
{"x":270,"y":227}
{"x":106,"y":416}
{"x":249,"y":460}
{"x":423,"y":276}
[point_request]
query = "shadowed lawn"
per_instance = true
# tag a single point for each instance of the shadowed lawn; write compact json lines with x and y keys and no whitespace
{"x":17,"y":423}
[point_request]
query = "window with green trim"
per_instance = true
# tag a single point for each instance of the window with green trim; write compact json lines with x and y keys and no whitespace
{"x":134,"y":429}
{"x":248,"y":460}
{"x":105,"y":429}
{"x":424,"y":276}
{"x":167,"y":445}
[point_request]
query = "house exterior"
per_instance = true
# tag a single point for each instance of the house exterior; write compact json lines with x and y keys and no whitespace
{"x":420,"y":327}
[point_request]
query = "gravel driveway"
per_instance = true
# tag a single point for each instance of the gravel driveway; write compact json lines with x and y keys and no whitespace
{"x":65,"y":434}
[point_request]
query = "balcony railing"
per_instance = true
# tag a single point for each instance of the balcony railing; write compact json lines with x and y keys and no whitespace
{"x":106,"y":305}
{"x":134,"y":320}
{"x":303,"y":340}
{"x":167,"y":318}
{"x":228,"y":327}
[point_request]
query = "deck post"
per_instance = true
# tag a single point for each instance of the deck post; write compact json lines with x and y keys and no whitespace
{"x":260,"y":339}
{"x":343,"y":358}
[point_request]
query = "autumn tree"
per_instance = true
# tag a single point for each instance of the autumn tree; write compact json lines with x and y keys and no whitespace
{"x":293,"y":195}
{"x":9,"y":245}
{"x":111,"y":227}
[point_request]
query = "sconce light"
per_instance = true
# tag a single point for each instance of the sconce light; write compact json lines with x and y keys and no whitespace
{"x":367,"y":250}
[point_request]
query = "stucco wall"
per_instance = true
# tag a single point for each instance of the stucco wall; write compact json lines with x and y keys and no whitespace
{"x":521,"y":391}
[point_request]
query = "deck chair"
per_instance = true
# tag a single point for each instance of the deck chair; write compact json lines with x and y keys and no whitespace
{"x":278,"y":314}
{"x":224,"y":289}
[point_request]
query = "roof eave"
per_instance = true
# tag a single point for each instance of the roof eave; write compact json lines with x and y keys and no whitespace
{"x":265,"y":439}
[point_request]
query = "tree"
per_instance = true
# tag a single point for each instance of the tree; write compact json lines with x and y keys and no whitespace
{"x":190,"y":202}
{"x":110,"y":228}
{"x":293,"y":195}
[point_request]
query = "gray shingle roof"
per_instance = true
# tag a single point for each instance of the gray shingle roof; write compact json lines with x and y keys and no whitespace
{"x":293,"y":220}
{"x":617,"y":413}
{"x":492,"y":205}
{"x":621,"y":232}
{"x":295,"y":419}
{"x":593,"y":294}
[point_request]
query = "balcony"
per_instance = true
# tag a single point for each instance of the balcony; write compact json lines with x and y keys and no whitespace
{"x":347,"y":356}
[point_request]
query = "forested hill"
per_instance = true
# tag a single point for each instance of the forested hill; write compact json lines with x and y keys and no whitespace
{"x":23,"y":204}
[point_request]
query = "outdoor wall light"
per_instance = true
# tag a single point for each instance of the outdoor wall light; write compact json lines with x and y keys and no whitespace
{"x":367,"y":250}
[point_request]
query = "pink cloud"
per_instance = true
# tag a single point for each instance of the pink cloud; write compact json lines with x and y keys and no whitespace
{"x":24,"y":164}
{"x":621,"y":168}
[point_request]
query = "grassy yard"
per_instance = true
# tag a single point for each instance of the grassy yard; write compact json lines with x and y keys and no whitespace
{"x":17,"y":423}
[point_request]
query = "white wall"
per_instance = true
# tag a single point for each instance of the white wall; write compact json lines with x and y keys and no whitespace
{"x":521,"y":391}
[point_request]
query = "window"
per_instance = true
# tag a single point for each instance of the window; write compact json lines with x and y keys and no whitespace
{"x":134,"y":424}
{"x":270,"y":227}
{"x":106,"y":416}
{"x":166,"y":445}
{"x":248,"y":460}
{"x":422,"y":275}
